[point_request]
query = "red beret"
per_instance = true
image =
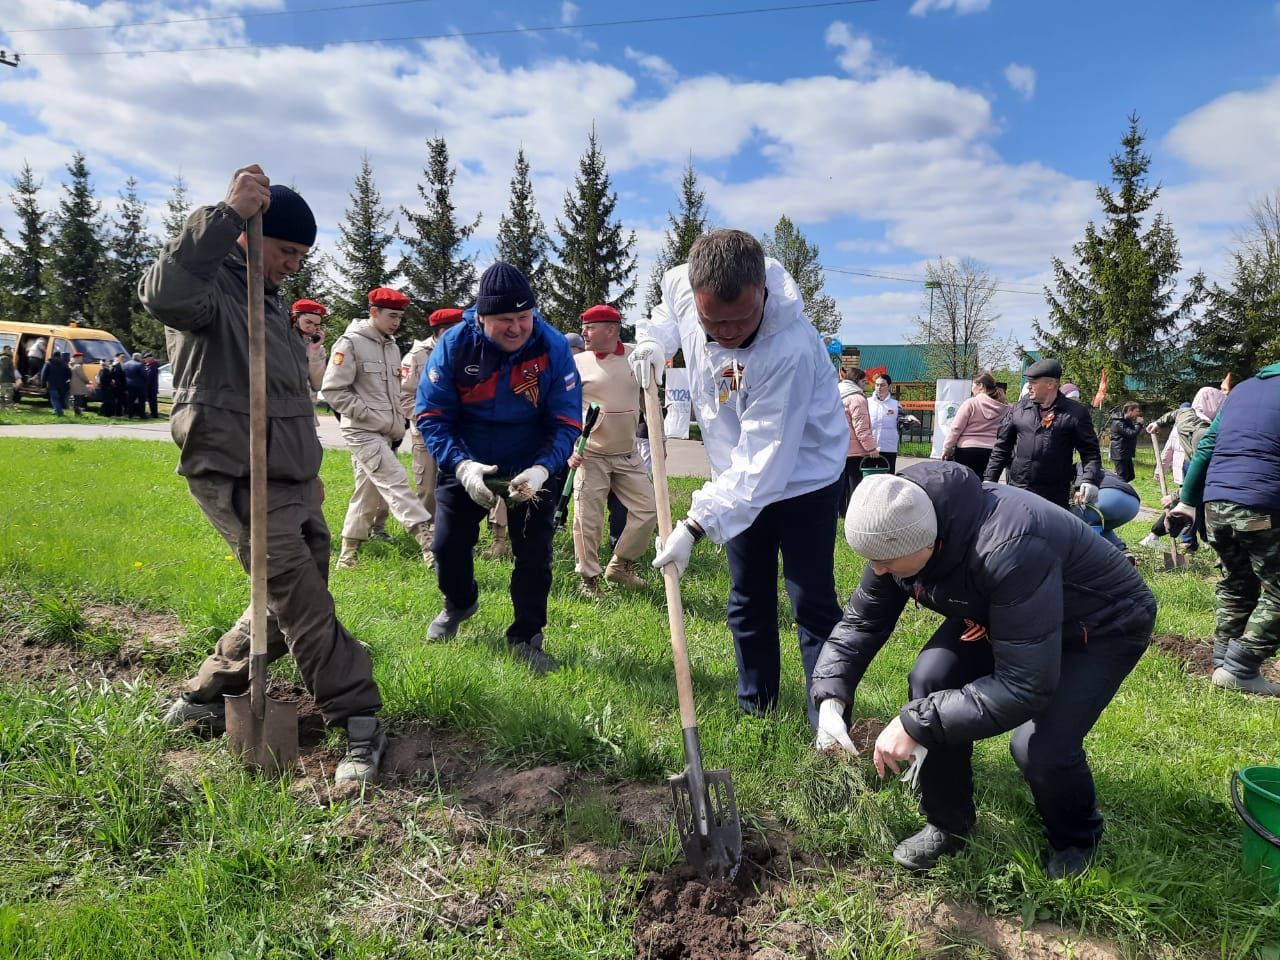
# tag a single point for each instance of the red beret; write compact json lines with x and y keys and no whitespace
{"x":387,"y":299}
{"x":308,"y":306}
{"x":601,"y":313}
{"x":444,"y":315}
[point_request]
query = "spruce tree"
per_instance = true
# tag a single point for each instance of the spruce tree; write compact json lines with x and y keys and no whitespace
{"x":594,"y":257}
{"x":312,"y":282}
{"x":176,"y":209}
{"x":522,"y":236}
{"x":438,"y":273}
{"x":685,"y":226}
{"x":130,"y":249}
{"x":363,"y":239}
{"x":1116,"y":306}
{"x":77,"y":257}
{"x":28,"y":258}
{"x":789,"y":247}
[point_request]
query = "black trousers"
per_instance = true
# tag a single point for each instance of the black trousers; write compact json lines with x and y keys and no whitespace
{"x":803,"y":530}
{"x":1124,"y":470}
{"x":975,"y":458}
{"x":617,"y":518}
{"x":531,"y":527}
{"x":1048,"y":749}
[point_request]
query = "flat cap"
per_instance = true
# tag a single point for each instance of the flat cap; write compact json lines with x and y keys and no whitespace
{"x":1044,"y":368}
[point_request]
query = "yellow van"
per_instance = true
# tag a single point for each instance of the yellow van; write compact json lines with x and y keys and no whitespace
{"x":34,"y":343}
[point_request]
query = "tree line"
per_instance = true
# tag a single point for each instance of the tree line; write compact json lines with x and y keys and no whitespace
{"x":75,"y":264}
{"x":1117,"y":304}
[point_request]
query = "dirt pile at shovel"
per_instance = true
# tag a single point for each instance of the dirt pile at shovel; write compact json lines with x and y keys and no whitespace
{"x":685,"y":917}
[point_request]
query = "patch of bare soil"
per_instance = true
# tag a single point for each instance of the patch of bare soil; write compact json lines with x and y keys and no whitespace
{"x":864,"y":731}
{"x":1196,"y":656}
{"x":146,"y":640}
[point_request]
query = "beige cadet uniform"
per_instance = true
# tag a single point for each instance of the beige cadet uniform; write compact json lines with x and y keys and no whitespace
{"x":424,"y":468}
{"x":197,"y":290}
{"x":362,"y":382}
{"x":611,"y":463}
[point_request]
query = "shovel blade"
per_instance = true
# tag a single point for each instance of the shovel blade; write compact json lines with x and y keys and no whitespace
{"x":712,"y":844}
{"x":268,"y":743}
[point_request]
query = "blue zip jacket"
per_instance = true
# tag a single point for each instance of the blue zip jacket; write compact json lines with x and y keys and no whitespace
{"x":515,"y":410}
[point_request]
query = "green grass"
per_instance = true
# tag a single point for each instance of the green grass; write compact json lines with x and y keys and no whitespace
{"x":110,"y":852}
{"x":33,"y":411}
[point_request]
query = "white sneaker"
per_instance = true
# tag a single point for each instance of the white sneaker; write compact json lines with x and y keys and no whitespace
{"x":1150,"y":540}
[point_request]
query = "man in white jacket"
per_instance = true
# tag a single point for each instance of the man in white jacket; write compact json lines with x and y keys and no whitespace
{"x":765,"y":396}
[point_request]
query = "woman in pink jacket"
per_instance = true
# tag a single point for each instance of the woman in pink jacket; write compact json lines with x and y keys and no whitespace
{"x":973,"y":432}
{"x":862,"y":442}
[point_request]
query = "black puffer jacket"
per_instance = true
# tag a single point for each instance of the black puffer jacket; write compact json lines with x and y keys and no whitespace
{"x":1036,"y":577}
{"x":1124,"y":437}
{"x":1041,"y":458}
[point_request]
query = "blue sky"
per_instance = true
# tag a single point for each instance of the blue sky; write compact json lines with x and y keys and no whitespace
{"x":894,"y":132}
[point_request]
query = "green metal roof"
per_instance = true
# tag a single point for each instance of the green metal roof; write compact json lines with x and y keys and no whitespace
{"x":906,"y":362}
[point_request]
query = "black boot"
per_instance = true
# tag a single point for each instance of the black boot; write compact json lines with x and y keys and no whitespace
{"x":923,"y":850}
{"x":1071,"y":862}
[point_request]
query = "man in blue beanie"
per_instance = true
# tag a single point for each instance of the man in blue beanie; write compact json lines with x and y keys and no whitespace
{"x":197,"y":289}
{"x":499,"y":409}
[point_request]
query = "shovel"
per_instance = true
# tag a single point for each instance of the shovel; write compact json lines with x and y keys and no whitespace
{"x":262,"y":730}
{"x":706,"y":808}
{"x":562,"y":505}
{"x":1173,"y":560}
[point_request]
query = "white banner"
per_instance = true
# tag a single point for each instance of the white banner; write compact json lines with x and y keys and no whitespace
{"x":946,"y":404}
{"x":679,"y":403}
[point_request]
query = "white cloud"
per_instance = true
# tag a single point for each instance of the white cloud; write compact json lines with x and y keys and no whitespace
{"x":922,"y":7}
{"x":654,"y":65}
{"x":568,"y":12}
{"x":1021,"y":79}
{"x":857,"y":56}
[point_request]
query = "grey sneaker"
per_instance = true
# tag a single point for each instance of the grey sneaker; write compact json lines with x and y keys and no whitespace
{"x":208,"y":717}
{"x":380,"y":535}
{"x":447,"y":621}
{"x":1222,"y":677}
{"x":366,"y":742}
{"x":923,"y":850}
{"x":531,"y":652}
{"x":1071,"y":862}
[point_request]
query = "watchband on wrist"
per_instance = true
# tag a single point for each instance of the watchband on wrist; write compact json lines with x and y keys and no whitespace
{"x":694,"y":531}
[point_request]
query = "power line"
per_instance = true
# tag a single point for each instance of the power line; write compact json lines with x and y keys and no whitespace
{"x":505,"y":31}
{"x":222,"y":16}
{"x":921,"y":280}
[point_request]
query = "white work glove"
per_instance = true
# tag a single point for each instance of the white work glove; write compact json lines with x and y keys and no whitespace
{"x":911,"y":777}
{"x":1182,"y":510}
{"x":1088,"y":493}
{"x":471,"y":475}
{"x":647,"y":357}
{"x":676,"y":550}
{"x":832,"y":730}
{"x":526,"y":484}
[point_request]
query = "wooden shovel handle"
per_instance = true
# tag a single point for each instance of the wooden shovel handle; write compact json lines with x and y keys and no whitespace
{"x":671,"y":579}
{"x":1155,"y":445}
{"x":257,"y":443}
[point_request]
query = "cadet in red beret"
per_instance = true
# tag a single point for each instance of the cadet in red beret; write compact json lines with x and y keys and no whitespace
{"x":415,"y":361}
{"x":362,"y":383}
{"x":305,"y":315}
{"x":610,"y":464}
{"x":308,"y":306}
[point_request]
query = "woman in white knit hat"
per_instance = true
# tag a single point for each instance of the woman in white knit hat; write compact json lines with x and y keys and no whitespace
{"x":1044,"y":621}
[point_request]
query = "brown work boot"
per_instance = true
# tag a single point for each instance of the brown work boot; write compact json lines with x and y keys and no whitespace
{"x":501,"y":546}
{"x":590,"y":587}
{"x":350,"y":553}
{"x":623,"y":573}
{"x":424,"y":535}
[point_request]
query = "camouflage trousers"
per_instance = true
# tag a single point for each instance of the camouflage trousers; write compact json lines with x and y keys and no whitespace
{"x":1248,"y":543}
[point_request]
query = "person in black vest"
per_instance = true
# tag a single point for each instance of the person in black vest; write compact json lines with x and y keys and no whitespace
{"x":1038,"y":439}
{"x":1044,"y":620}
{"x":153,"y":384}
{"x":56,"y":377}
{"x":120,"y":387}
{"x":1125,"y":427}
{"x":103,"y":386}
{"x":135,"y":383}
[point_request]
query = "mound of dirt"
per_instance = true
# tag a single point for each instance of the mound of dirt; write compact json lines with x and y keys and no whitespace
{"x":1196,"y":656}
{"x":684,"y":917}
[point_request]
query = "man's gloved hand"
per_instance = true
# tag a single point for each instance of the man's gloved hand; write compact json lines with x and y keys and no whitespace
{"x":1152,"y":429}
{"x":471,"y":475}
{"x":677,"y":548}
{"x":832,"y":730}
{"x":647,"y":360}
{"x":1088,"y":493}
{"x":1183,"y":510}
{"x":526,"y":484}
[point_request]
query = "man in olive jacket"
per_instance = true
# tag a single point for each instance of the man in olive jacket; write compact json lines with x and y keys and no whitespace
{"x":197,"y":289}
{"x":1045,"y":619}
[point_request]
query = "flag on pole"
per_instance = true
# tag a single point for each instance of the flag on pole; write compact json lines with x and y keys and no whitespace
{"x":1100,"y":397}
{"x":876,"y":371}
{"x":1226,"y":383}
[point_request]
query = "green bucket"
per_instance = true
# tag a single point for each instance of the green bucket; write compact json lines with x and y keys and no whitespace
{"x":868,"y":471}
{"x":1260,"y":811}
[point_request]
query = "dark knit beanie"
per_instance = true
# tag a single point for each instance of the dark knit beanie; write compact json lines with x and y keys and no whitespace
{"x":289,"y":218}
{"x":503,"y":289}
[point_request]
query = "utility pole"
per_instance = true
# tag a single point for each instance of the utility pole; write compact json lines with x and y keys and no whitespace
{"x":6,"y":61}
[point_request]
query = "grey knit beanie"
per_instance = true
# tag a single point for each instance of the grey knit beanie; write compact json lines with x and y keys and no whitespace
{"x":889,"y":517}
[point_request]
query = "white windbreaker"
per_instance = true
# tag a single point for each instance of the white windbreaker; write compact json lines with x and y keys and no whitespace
{"x":770,"y":412}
